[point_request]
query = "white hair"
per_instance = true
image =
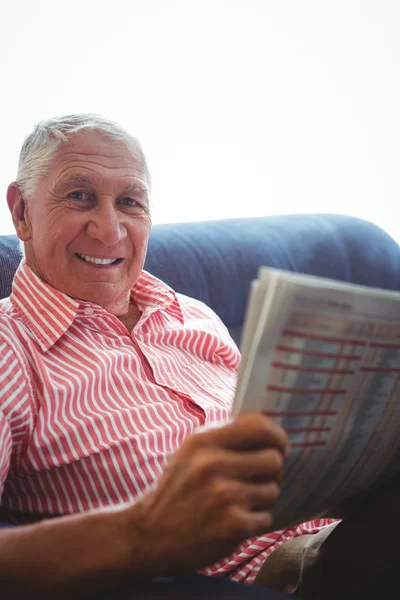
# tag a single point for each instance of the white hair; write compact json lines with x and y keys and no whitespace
{"x":39,"y":147}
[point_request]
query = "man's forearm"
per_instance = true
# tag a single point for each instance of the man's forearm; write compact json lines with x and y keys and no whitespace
{"x":67,"y":557}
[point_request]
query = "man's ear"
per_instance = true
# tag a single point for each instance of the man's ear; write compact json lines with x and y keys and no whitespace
{"x":18,"y":209}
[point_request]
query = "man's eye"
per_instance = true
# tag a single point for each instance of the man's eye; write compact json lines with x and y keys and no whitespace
{"x":129,"y":202}
{"x":81,"y":196}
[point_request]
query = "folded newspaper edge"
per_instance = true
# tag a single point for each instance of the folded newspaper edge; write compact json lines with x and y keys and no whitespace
{"x":323,"y":358}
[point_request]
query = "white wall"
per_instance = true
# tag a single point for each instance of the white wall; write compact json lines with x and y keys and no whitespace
{"x":245,"y":108}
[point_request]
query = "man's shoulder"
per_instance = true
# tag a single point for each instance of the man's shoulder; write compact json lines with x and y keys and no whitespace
{"x":15,"y":383}
{"x":196,"y":306}
{"x":5,"y":306}
{"x":7,"y":314}
{"x":203,"y":317}
{"x":11,"y":326}
{"x":193,"y":313}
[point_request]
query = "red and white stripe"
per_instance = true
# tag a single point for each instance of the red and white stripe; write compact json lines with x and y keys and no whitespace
{"x":89,"y":412}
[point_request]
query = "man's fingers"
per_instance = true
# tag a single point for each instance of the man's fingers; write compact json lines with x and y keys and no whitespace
{"x":211,"y":467}
{"x":249,"y":431}
{"x":254,"y":523}
{"x":258,"y":465}
{"x":262,"y":496}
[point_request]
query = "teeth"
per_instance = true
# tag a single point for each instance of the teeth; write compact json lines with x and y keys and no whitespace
{"x":98,"y":261}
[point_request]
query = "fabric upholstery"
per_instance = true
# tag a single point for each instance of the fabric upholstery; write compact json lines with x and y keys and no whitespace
{"x":216,"y":261}
{"x":10,"y":257}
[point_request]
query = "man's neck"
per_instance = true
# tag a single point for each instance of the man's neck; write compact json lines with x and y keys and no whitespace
{"x":131,"y":318}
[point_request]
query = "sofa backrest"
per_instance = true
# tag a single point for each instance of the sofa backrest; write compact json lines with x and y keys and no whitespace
{"x":215,"y":261}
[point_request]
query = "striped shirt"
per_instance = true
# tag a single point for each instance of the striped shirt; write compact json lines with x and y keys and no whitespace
{"x":89,"y":412}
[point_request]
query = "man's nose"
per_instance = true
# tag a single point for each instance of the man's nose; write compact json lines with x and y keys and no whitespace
{"x":105,"y":225}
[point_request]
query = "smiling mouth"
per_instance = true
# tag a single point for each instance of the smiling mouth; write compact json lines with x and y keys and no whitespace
{"x":98,"y":261}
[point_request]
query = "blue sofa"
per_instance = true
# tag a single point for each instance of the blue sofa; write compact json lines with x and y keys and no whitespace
{"x":215,"y":261}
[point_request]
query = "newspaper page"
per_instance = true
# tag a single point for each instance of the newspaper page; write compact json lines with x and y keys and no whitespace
{"x":325,"y":362}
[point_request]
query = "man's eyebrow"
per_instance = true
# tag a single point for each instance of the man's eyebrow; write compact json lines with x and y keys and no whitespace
{"x":75,"y":179}
{"x":139,"y":186}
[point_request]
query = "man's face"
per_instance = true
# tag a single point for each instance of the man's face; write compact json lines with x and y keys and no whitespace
{"x":89,"y":222}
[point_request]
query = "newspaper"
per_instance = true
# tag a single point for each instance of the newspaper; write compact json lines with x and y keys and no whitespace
{"x":323,"y":358}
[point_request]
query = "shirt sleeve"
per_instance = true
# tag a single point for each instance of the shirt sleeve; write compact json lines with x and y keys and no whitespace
{"x":5,"y":451}
{"x":14,"y":408}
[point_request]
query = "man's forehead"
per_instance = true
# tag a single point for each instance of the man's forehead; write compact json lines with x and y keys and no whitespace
{"x":98,"y":148}
{"x":88,"y":157}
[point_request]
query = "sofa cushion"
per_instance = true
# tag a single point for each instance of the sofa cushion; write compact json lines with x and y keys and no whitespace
{"x":10,"y":257}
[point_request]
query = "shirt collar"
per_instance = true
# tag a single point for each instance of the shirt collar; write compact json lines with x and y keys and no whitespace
{"x":152,"y":294}
{"x":49,"y":313}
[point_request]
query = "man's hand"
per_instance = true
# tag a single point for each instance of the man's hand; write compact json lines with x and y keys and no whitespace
{"x":216,"y":491}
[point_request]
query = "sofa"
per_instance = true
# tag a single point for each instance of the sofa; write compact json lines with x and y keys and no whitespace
{"x":215,"y":261}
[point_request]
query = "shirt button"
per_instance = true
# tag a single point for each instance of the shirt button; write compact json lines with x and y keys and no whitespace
{"x":88,"y":311}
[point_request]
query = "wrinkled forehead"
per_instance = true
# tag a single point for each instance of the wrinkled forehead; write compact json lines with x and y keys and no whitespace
{"x":98,"y":156}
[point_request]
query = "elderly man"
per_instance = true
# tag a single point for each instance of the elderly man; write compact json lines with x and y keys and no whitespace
{"x":105,"y":372}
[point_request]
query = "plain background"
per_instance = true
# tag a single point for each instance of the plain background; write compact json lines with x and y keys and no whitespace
{"x":244,"y":108}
